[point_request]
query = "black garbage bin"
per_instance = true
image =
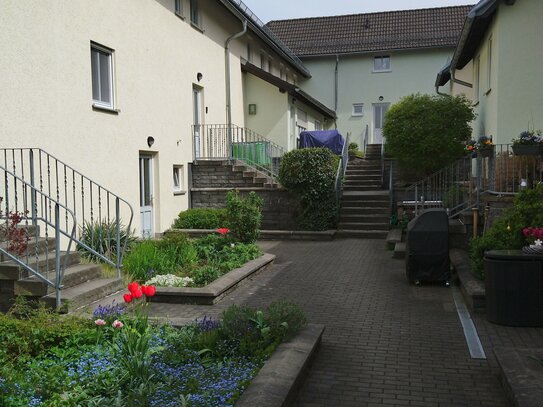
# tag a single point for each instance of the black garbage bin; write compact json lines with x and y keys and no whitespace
{"x":514,"y":288}
{"x":427,"y":248}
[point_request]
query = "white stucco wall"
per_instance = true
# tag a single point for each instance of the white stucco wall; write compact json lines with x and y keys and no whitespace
{"x":46,"y":97}
{"x":411,"y":72}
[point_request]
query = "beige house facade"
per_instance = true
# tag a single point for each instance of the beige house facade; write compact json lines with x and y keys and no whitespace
{"x":120,"y":90}
{"x":495,"y":57}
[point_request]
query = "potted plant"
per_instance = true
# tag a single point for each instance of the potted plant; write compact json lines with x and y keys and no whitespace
{"x":534,"y":238}
{"x":528,"y":143}
{"x":485,"y":146}
{"x":471,"y":148}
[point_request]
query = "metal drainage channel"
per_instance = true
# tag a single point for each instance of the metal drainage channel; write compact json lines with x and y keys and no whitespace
{"x":470,"y":332}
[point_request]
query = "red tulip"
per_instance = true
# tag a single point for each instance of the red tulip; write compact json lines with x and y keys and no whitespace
{"x":223,"y":231}
{"x":137,"y":293}
{"x":127,"y":298}
{"x":149,"y":291}
{"x":132,"y":287}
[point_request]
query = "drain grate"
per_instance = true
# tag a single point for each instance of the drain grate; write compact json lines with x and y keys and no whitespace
{"x":470,"y":332}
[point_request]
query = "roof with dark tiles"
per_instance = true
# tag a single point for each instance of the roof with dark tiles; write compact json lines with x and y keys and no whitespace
{"x":372,"y":32}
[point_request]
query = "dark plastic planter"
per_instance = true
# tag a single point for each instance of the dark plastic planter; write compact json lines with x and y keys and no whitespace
{"x":486,"y":151}
{"x":514,"y":288}
{"x":528,"y":149}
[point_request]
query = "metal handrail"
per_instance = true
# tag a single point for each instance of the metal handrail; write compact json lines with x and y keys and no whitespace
{"x":64,"y":184}
{"x":383,"y":162}
{"x":223,"y":142}
{"x":21,"y":184}
{"x":366,"y":135}
{"x":342,"y":167}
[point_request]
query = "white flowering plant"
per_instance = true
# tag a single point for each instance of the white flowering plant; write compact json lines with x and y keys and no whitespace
{"x":169,"y":280}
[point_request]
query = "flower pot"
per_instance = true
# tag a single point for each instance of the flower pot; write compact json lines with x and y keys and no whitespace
{"x":528,"y":149}
{"x":486,"y":151}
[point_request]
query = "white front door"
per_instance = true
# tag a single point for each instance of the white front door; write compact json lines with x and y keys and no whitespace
{"x":197,"y":120}
{"x":379,"y":111}
{"x":146,"y":196}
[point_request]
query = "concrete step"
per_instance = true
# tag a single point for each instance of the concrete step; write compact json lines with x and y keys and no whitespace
{"x":366,"y":196}
{"x":363,"y":177}
{"x":362,"y":183}
{"x":399,"y":250}
{"x":365,"y":218}
{"x":84,"y":294}
{"x":9,"y":270}
{"x":74,"y":275}
{"x":364,"y":226}
{"x":370,"y":187}
{"x":31,"y":230}
{"x":394,"y":236}
{"x":35,"y":246}
{"x":363,"y":169}
{"x":361,"y":234}
{"x":364,"y":210}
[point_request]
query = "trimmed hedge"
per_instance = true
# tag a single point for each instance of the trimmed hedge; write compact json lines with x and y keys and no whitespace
{"x":201,"y":218}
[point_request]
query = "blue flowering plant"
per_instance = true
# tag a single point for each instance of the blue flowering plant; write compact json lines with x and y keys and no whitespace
{"x":529,"y":137}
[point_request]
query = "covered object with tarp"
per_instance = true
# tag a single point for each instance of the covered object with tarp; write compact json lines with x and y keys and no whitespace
{"x":427,"y":247}
{"x":330,"y":139}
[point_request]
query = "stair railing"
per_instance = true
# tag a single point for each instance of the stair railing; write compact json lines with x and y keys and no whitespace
{"x":342,"y":167}
{"x":223,"y":142}
{"x":19,"y":200}
{"x":98,"y":212}
{"x":366,"y":135}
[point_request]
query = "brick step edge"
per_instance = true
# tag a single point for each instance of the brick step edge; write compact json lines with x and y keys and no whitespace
{"x":471,"y":287}
{"x":279,"y":380}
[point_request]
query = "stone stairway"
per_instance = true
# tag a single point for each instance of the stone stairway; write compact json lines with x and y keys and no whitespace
{"x":365,"y":206}
{"x":83,"y":282}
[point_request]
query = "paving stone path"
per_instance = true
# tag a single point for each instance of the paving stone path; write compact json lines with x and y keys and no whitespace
{"x":386,"y":343}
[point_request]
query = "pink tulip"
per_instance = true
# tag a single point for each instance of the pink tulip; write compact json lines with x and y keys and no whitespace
{"x":117,"y":324}
{"x":100,"y":322}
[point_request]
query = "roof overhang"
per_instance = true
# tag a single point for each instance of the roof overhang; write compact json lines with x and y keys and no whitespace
{"x":444,"y":75}
{"x":292,"y":90}
{"x":241,"y":11}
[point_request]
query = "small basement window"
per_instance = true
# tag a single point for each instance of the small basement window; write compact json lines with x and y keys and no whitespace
{"x":358,"y":109}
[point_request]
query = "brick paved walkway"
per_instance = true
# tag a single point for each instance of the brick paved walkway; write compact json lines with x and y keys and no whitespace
{"x":386,"y":343}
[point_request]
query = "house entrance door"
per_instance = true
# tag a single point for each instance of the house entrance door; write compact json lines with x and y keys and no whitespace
{"x":197,"y":120}
{"x":146,"y":196}
{"x":379,"y":111}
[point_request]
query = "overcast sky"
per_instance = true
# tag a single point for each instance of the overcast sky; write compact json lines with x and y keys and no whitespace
{"x":268,"y":10}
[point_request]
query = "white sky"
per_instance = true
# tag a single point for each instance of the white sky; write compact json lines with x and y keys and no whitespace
{"x":268,"y":10}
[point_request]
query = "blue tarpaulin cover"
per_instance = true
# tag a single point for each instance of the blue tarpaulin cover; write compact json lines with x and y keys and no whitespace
{"x":323,"y":138}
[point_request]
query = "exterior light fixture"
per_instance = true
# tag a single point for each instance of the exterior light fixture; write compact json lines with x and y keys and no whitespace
{"x":150,"y":141}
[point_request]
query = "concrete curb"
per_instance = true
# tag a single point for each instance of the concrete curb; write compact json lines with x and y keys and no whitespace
{"x":472,"y":289}
{"x":282,"y":375}
{"x":521,"y":375}
{"x":269,"y":234}
{"x":215,"y":291}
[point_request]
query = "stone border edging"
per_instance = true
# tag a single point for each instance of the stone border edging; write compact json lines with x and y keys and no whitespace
{"x":269,"y":234}
{"x":521,"y":376}
{"x":282,"y":375}
{"x":472,"y":289}
{"x":215,"y":290}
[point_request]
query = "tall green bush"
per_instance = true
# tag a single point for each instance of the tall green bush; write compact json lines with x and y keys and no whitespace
{"x":244,"y":216}
{"x":310,"y":174}
{"x":427,"y":132}
{"x":506,"y":232}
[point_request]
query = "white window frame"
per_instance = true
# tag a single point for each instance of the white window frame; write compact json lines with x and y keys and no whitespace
{"x":270,"y":64}
{"x":282,"y":71}
{"x":177,"y":178}
{"x":381,"y":58}
{"x":178,"y":8}
{"x":356,"y":113}
{"x":98,"y":100}
{"x":318,"y":125}
{"x":195,"y":16}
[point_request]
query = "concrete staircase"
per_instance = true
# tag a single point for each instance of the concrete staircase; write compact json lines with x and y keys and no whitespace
{"x":83,"y":282}
{"x":365,"y":206}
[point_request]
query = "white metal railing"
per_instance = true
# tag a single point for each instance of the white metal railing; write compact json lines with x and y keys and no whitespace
{"x":342,"y":166}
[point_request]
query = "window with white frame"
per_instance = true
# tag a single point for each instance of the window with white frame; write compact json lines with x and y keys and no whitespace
{"x":195,"y":18}
{"x":318,"y":125}
{"x":270,"y":64}
{"x":263,"y":61}
{"x":358,"y":109}
{"x":381,"y":63}
{"x":177,"y":178}
{"x":282,"y":71}
{"x":178,"y":6}
{"x":102,"y":75}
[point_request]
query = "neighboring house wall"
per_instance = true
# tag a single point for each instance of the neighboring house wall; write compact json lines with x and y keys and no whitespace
{"x":47,"y":92}
{"x":410,"y":72}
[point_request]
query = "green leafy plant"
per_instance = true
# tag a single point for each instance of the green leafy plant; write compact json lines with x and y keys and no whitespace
{"x":244,"y":215}
{"x":102,"y":237}
{"x":310,"y":174}
{"x":506,"y":232}
{"x":353,"y":150}
{"x":426,"y":132}
{"x":200,"y":218}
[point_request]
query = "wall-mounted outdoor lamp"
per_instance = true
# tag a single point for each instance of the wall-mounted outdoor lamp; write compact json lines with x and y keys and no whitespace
{"x":150,"y":141}
{"x":199,"y":76}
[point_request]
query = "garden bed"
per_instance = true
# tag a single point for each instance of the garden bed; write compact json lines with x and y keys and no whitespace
{"x":324,"y":235}
{"x":215,"y":290}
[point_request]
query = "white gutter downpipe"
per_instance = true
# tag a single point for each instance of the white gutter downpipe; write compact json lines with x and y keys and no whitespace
{"x":227,"y":82}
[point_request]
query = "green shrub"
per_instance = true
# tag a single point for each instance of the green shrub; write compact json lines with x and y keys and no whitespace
{"x":146,"y":259}
{"x":102,"y":238}
{"x":285,"y":319}
{"x":427,"y":132}
{"x":200,"y":218}
{"x":506,"y":232}
{"x":244,"y":216}
{"x":310,"y":173}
